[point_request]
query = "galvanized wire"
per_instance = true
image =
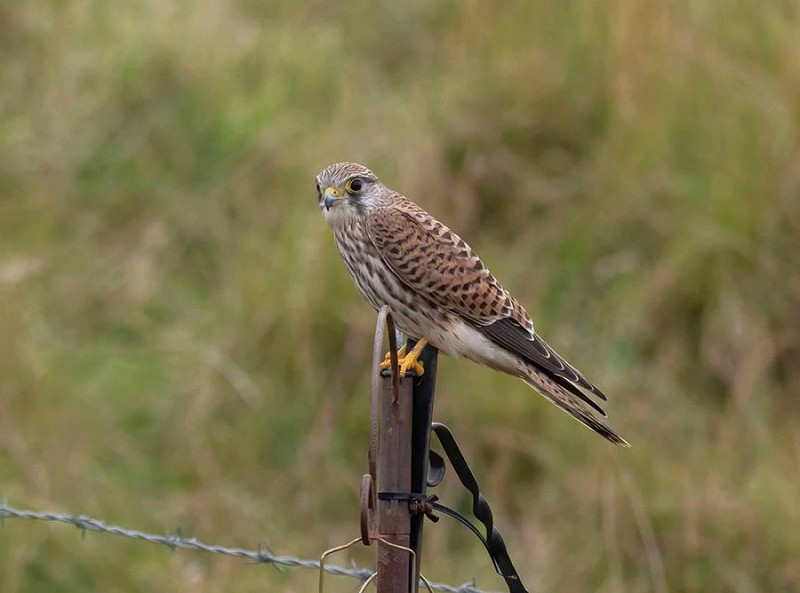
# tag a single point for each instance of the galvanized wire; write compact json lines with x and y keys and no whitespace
{"x":85,"y":524}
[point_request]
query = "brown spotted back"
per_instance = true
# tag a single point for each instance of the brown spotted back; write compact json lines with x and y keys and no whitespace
{"x":439,"y":265}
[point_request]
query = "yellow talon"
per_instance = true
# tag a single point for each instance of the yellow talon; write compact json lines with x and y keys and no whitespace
{"x":412,"y":363}
{"x":407,"y":361}
{"x":387,"y":361}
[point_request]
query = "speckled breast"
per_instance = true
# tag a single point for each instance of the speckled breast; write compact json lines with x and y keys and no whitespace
{"x":380,"y":286}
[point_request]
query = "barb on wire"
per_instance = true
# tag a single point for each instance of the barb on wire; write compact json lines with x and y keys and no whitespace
{"x":84,"y":524}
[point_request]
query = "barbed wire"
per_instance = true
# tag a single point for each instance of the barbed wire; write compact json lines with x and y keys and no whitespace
{"x":84,"y":524}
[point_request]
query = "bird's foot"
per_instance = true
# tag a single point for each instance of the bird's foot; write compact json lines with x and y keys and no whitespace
{"x":387,"y":360}
{"x":408,"y":361}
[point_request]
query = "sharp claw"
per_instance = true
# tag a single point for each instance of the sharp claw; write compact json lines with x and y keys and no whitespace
{"x":414,"y":365}
{"x":403,"y":369}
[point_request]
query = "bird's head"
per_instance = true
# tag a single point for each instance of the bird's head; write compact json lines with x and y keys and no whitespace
{"x":347,"y":190}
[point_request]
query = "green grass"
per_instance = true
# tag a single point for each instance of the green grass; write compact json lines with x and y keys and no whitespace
{"x":181,"y":346}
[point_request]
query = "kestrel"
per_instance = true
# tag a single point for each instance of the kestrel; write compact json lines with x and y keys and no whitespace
{"x":440,"y":292}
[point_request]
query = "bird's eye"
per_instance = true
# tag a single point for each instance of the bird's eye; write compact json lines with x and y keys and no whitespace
{"x":319,"y":191}
{"x":353,"y":186}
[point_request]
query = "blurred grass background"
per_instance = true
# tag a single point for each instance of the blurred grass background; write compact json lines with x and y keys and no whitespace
{"x":180,"y":345}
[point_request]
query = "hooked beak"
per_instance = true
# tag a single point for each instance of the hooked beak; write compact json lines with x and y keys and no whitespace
{"x":330,"y":196}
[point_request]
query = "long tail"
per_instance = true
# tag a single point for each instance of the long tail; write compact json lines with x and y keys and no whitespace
{"x":563,"y":399}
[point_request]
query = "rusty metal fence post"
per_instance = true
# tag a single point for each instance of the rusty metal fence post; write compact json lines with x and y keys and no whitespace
{"x":400,"y":424}
{"x":394,"y":475}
